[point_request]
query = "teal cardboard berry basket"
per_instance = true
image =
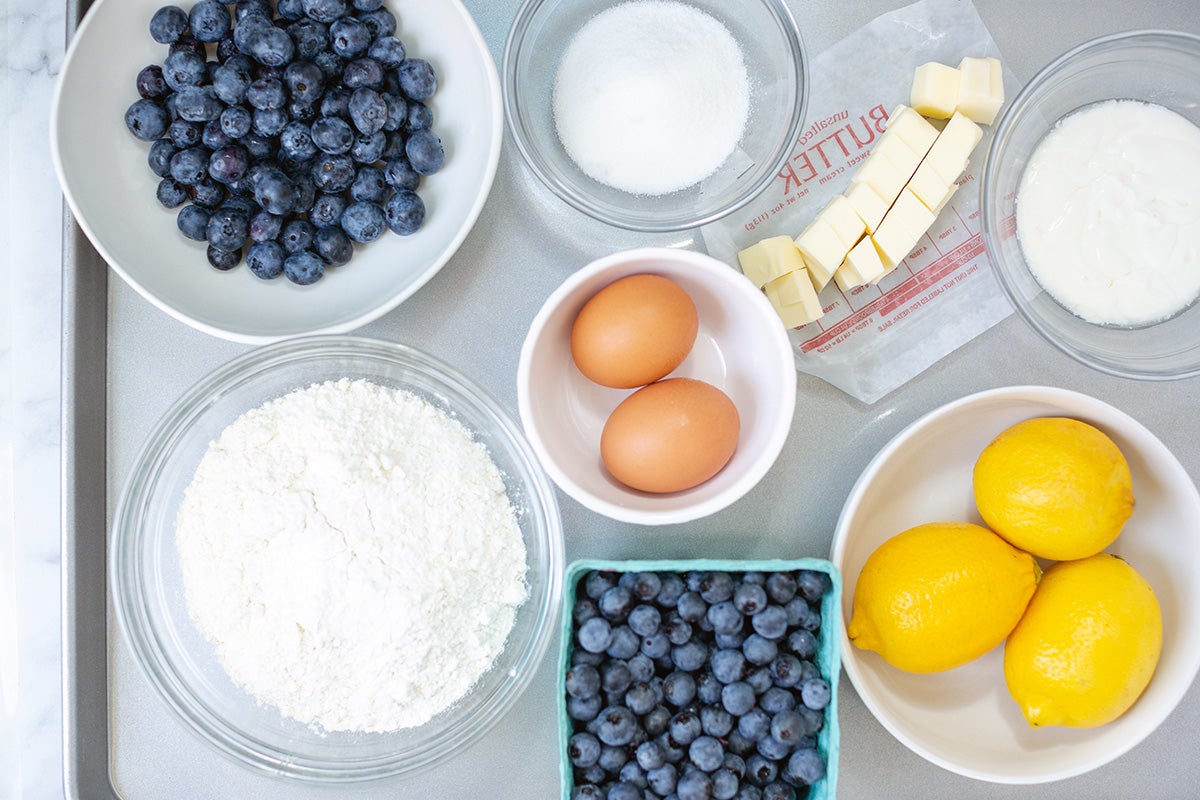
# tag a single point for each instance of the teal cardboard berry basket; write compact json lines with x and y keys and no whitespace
{"x":827,"y":660}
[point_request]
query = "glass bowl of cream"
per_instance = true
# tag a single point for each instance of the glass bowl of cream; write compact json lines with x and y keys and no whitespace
{"x":1091,"y":204}
{"x":655,"y":116}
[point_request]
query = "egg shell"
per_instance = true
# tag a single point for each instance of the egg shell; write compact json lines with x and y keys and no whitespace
{"x":634,"y":331}
{"x":670,"y":436}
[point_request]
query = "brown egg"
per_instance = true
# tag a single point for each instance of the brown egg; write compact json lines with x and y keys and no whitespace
{"x":670,"y":436}
{"x":634,"y":331}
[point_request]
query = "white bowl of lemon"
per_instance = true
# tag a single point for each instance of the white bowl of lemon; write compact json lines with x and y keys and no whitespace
{"x":969,"y":689}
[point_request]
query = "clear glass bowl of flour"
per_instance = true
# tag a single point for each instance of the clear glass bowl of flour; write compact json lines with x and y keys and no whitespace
{"x":1160,"y":67}
{"x":183,"y":666}
{"x":776,"y":64}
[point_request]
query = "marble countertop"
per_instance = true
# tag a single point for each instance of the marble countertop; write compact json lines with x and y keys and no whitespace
{"x":30,"y":340}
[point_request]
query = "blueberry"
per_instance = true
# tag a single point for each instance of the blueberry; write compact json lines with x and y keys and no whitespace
{"x":623,"y":790}
{"x":584,"y":709}
{"x":737,"y":698}
{"x":183,"y":69}
{"x":214,"y":136}
{"x":787,"y":727}
{"x":209,"y":21}
{"x":803,"y":643}
{"x":265,"y":260}
{"x":425,"y":153}
{"x":685,"y":728}
{"x":761,"y":771}
{"x":193,"y":222}
{"x":258,"y":146}
{"x":303,"y":268}
{"x":309,"y":36}
{"x":150,"y":83}
{"x":236,"y":121}
{"x":187,"y":44}
{"x":644,"y":620}
{"x":223,"y":260}
{"x":777,"y":699}
{"x":677,"y":629}
{"x":189,"y":166}
{"x":802,"y":615}
{"x":725,"y":785}
{"x":228,"y":228}
{"x":706,"y":753}
{"x":405,"y":212}
{"x":332,"y":65}
{"x":781,"y":587}
{"x":380,"y":22}
{"x":785,"y":670}
{"x":387,"y":50}
{"x":625,"y":643}
{"x":307,"y":194}
{"x":640,"y":698}
{"x":266,"y":92}
{"x":816,"y":693}
{"x":708,"y":689}
{"x":689,"y":656}
{"x":640,"y":667}
{"x":290,"y":9}
{"x":363,"y":73}
{"x":228,"y":164}
{"x":589,"y":791}
{"x":724,"y":617}
{"x":594,"y":635}
{"x":208,"y":193}
{"x":333,"y":173}
{"x":738,"y":744}
{"x":716,"y":721}
{"x":295,"y":141}
{"x":417,"y":79}
{"x":759,"y":650}
{"x":582,"y":681}
{"x":616,"y":603}
{"x":269,"y":121}
{"x":168,"y":24}
{"x":662,"y":780}
{"x":368,"y":111}
{"x":198,"y":103}
{"x":730,"y":641}
{"x":336,"y":102}
{"x":804,"y":768}
{"x":728,"y":666}
{"x":770,"y":623}
{"x":147,"y":120}
{"x":332,"y":135}
{"x":400,"y":175}
{"x":370,"y":186}
{"x":244,"y":7}
{"x":264,"y":227}
{"x":679,"y":688}
{"x":159,"y":157}
{"x":397,"y":111}
{"x":754,"y":724}
{"x":585,"y":607}
{"x":617,"y":725}
{"x":813,"y":585}
{"x":632,"y":774}
{"x":326,"y":211}
{"x":694,"y":785}
{"x":325,"y":10}
{"x":749,"y":598}
{"x":583,"y":749}
{"x":277,"y":193}
{"x":334,"y":246}
{"x":249,"y":26}
{"x":650,"y":755}
{"x":366,"y":5}
{"x":305,"y":81}
{"x":368,"y":149}
{"x":349,"y":37}
{"x":760,"y":679}
{"x":691,"y":607}
{"x":270,"y":46}
{"x":395,"y":146}
{"x":715,"y":587}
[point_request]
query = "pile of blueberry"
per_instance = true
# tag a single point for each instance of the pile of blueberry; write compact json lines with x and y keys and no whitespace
{"x":696,"y":685}
{"x":308,"y":131}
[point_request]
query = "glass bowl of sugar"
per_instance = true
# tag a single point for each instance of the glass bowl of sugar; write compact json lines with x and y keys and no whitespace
{"x":337,"y":560}
{"x":1091,"y":204}
{"x":655,"y":115}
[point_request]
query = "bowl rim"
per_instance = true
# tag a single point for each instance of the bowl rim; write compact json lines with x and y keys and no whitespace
{"x":780,"y":425}
{"x":1050,"y":395}
{"x":515,"y":123}
{"x":131,"y":601}
{"x":495,"y":136}
{"x":988,"y":210}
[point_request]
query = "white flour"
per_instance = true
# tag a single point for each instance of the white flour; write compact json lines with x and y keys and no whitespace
{"x":351,"y":553}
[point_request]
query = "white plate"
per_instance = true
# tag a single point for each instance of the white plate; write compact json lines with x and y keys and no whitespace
{"x":964,"y":719}
{"x":102,"y":169}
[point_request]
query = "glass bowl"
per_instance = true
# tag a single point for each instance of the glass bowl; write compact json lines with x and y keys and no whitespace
{"x":775,"y":60}
{"x":182,"y":665}
{"x":1161,"y":67}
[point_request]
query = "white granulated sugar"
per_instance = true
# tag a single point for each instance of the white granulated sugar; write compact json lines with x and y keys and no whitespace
{"x":350,"y":551}
{"x":651,"y":96}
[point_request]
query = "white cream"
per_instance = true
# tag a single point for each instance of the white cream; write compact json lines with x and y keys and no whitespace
{"x":1108,"y":213}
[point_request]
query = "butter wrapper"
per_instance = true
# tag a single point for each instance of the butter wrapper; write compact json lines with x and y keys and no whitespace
{"x":874,"y":338}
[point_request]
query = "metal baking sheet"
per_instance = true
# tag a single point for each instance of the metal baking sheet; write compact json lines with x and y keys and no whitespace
{"x":124,"y":363}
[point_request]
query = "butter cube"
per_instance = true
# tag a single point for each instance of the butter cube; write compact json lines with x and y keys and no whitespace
{"x":949,"y":193}
{"x":862,"y":266}
{"x":845,"y":221}
{"x":882,"y":175}
{"x":869,"y":206}
{"x":794,"y":298}
{"x":905,"y":223}
{"x":911,"y":128}
{"x":950,"y":153}
{"x":981,"y":89}
{"x":935,"y":90}
{"x":823,"y":251}
{"x":765,"y":261}
{"x":929,"y":186}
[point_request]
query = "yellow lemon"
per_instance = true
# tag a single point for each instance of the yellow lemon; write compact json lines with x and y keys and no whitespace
{"x":1054,"y":487}
{"x":939,"y":595}
{"x":1087,"y":646}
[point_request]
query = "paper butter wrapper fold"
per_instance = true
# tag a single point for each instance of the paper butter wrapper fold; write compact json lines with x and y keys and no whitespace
{"x":873,"y":339}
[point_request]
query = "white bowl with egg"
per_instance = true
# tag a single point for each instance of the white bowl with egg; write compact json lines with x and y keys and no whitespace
{"x":740,"y":347}
{"x":964,"y":719}
{"x":149,"y":573}
{"x":1157,"y":67}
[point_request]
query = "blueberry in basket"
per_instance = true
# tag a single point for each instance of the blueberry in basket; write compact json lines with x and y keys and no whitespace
{"x":697,"y":685}
{"x":286,"y":134}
